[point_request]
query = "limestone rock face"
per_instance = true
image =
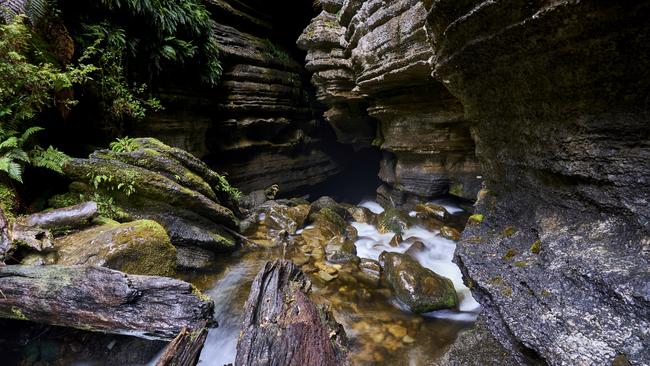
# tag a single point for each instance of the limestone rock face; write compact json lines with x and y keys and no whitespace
{"x":259,"y":124}
{"x":557,"y":94}
{"x":372,"y":63}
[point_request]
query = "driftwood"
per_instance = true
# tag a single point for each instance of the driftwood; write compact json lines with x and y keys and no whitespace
{"x":68,"y":217}
{"x":100,"y":299}
{"x":282,"y":326}
{"x":186,"y":348}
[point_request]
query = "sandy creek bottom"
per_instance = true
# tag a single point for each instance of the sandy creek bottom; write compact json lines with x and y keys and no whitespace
{"x":379,"y":329}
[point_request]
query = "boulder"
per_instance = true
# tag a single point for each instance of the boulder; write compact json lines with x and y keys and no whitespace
{"x":269,"y":224}
{"x":140,"y":247}
{"x":419,"y":288}
{"x":340,"y":249}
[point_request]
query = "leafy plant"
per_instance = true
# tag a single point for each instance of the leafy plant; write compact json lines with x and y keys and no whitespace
{"x":125,"y":144}
{"x":14,"y":157}
{"x":224,"y":186}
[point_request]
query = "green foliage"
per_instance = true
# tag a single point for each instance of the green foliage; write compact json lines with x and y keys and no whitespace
{"x":224,"y":186}
{"x":105,"y":184}
{"x":275,"y":51}
{"x":536,"y":247}
{"x":156,"y":33}
{"x":125,"y":144}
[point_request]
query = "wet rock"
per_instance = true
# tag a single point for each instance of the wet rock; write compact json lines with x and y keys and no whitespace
{"x":476,"y":347}
{"x":416,"y":248}
{"x":450,"y":233}
{"x":195,"y":258}
{"x":282,"y":324}
{"x":362,"y":215}
{"x":395,"y":240}
{"x":340,"y":249}
{"x":140,"y":247}
{"x":269,"y":224}
{"x":393,"y":220}
{"x":5,"y":240}
{"x":329,"y":203}
{"x":430,"y":210}
{"x":419,"y":288}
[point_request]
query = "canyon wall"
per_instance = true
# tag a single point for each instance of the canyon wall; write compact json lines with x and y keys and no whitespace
{"x":556,"y":95}
{"x":259,"y":124}
{"x":371,"y":63}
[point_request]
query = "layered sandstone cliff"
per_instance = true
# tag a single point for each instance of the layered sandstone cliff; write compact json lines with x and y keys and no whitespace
{"x":258,"y":125}
{"x":371,"y":63}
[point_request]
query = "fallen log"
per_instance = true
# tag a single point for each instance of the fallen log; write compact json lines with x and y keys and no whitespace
{"x":282,"y":326}
{"x":185,"y":349}
{"x":100,"y":299}
{"x":63,"y":218}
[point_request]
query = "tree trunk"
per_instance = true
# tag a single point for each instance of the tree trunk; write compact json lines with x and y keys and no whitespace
{"x":282,"y":326}
{"x":186,"y":348}
{"x":100,"y":299}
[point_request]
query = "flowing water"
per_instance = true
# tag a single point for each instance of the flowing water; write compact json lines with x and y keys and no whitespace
{"x":380,"y":330}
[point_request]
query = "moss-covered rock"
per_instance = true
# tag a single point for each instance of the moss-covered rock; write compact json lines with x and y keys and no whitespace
{"x":139,"y":247}
{"x":421,"y":289}
{"x":269,"y":223}
{"x":393,"y":220}
{"x":8,"y":200}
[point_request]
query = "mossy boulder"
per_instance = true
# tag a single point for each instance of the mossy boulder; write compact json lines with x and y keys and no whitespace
{"x":327,"y":203}
{"x":421,"y":289}
{"x":394,"y":220}
{"x":196,"y":205}
{"x":340,"y":249}
{"x":140,"y":247}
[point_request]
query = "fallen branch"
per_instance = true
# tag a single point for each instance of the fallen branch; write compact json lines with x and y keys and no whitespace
{"x":186,"y":348}
{"x":100,"y":299}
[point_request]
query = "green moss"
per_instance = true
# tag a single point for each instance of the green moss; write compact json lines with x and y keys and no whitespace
{"x":65,"y":200}
{"x":476,"y":218}
{"x":536,"y":247}
{"x":151,"y":251}
{"x":509,"y":231}
{"x":496,"y":281}
{"x":8,"y":202}
{"x":506,"y":291}
{"x":546,"y":293}
{"x":333,"y":218}
{"x":456,"y":189}
{"x":509,"y":254}
{"x":203,"y":297}
{"x":520,"y":264}
{"x":17,"y":313}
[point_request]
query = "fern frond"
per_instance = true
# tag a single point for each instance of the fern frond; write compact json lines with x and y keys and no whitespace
{"x":51,"y":158}
{"x":29,"y":133}
{"x":9,"y":143}
{"x":11,"y":168}
{"x":18,"y":154}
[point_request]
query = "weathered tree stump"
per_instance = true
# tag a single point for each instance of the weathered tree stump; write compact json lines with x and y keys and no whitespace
{"x":100,"y":299}
{"x":282,"y":326}
{"x":186,"y":348}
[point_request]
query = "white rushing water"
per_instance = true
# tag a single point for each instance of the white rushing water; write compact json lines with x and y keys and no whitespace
{"x":437,"y":256}
{"x":221,"y":345}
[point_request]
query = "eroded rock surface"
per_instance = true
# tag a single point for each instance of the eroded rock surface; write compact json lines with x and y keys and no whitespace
{"x":371,"y":63}
{"x":557,"y":92}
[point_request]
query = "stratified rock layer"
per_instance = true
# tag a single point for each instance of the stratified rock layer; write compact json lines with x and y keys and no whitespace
{"x":258,"y":125}
{"x":372,"y":64}
{"x":558,"y":92}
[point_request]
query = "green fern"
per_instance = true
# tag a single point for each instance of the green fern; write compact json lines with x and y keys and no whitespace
{"x":51,"y":158}
{"x":125,"y":144}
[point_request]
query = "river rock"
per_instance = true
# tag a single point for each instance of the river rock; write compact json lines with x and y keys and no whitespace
{"x":340,"y":249}
{"x":282,"y":324}
{"x":419,"y":288}
{"x":139,"y":247}
{"x":270,"y":223}
{"x":393,"y":220}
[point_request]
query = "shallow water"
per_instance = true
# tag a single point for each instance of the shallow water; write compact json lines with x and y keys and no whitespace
{"x":379,"y":329}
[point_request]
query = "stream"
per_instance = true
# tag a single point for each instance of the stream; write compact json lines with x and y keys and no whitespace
{"x":379,"y":328}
